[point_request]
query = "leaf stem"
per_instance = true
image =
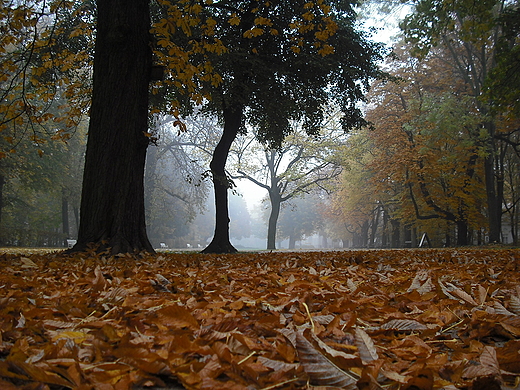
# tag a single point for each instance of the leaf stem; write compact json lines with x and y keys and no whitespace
{"x":310,"y":317}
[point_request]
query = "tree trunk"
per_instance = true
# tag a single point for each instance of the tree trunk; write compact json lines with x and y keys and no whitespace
{"x":273,"y":218}
{"x":112,"y":203}
{"x":65,"y":217}
{"x":2,"y":182}
{"x":292,"y":241}
{"x":494,"y":201}
{"x":396,"y":233}
{"x":373,"y":228}
{"x":149,"y":179}
{"x":221,"y":242}
{"x":462,"y":233}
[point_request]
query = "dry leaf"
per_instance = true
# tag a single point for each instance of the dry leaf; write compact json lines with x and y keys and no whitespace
{"x":366,"y":347}
{"x":514,"y":304}
{"x":418,"y":280}
{"x":321,"y":371}
{"x":27,"y":263}
{"x":403,"y":325}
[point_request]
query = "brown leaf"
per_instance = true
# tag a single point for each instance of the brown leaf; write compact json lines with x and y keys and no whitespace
{"x":99,"y":283}
{"x":464,"y":296}
{"x":481,"y":294}
{"x":488,"y":365}
{"x":28,"y":263}
{"x":514,"y":330}
{"x":421,"y":380}
{"x":394,"y":376}
{"x":403,"y":325}
{"x":177,"y":317}
{"x":277,"y":365}
{"x":366,"y":347}
{"x":321,"y":371}
{"x":489,"y":358}
{"x":426,"y":287}
{"x":39,"y":374}
{"x":500,"y":309}
{"x":418,"y":280}
{"x":514,"y":304}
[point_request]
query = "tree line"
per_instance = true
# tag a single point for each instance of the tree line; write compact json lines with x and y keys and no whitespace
{"x":442,"y":156}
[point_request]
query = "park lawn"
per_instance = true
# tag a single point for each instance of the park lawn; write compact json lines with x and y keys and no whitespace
{"x":369,"y":319}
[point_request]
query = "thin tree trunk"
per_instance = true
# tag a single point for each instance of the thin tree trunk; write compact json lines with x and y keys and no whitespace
{"x":273,"y":218}
{"x":494,"y":201}
{"x":149,"y":179}
{"x":65,"y":217}
{"x":292,"y":241}
{"x":221,"y":242}
{"x":462,"y":233}
{"x":112,"y":203}
{"x":396,"y":233}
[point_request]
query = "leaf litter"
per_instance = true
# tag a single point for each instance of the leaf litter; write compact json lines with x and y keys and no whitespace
{"x":374,"y":319}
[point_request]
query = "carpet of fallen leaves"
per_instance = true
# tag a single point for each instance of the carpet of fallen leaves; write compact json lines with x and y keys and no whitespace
{"x":381,"y":319}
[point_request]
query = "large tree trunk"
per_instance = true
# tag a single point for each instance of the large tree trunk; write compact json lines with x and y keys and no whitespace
{"x":276,"y":202}
{"x":221,"y":242}
{"x":494,"y":200}
{"x":112,"y":203}
{"x":2,"y":182}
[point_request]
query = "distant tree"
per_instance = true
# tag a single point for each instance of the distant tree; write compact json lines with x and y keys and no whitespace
{"x":355,"y":205}
{"x":300,"y":165}
{"x":300,"y":218}
{"x":240,"y":225}
{"x":175,"y":186}
{"x":36,"y":185}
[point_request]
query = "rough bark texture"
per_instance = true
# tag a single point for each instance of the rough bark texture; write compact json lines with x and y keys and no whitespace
{"x":112,"y":204}
{"x":221,"y":242}
{"x":494,"y":202}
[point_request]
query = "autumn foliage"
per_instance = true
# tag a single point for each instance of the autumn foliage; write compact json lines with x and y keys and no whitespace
{"x":395,"y":319}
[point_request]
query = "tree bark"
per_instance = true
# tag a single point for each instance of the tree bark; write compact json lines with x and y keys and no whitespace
{"x":494,"y":200}
{"x":276,"y":201}
{"x":112,"y":211}
{"x":221,"y":242}
{"x":2,"y":183}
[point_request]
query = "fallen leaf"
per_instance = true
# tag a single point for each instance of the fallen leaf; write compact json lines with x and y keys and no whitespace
{"x":366,"y":347}
{"x":321,"y":371}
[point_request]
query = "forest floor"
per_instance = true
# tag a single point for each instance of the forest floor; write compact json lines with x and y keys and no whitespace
{"x":415,"y":319}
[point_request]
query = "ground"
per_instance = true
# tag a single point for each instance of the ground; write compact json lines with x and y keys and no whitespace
{"x":375,"y":319}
